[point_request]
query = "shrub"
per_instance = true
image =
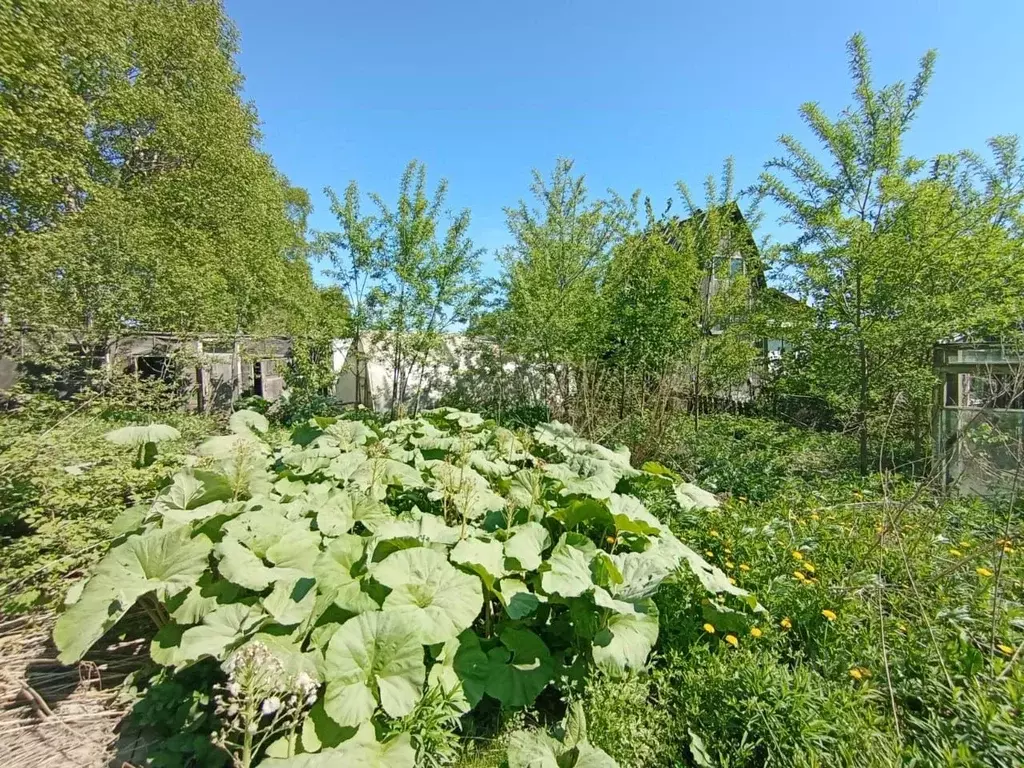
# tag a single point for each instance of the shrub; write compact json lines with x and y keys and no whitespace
{"x":437,"y":560}
{"x":62,"y":483}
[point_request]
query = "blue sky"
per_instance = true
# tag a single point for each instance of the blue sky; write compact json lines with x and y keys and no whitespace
{"x":639,"y":94}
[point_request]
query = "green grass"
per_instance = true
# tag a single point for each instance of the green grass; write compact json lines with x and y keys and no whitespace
{"x":62,"y":484}
{"x":890,"y":616}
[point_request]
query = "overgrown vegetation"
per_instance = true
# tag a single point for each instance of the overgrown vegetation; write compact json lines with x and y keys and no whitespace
{"x":893,"y":626}
{"x":334,"y":560}
{"x":648,"y":581}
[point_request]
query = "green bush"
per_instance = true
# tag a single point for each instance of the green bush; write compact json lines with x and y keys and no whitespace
{"x":62,"y":483}
{"x":757,"y":458}
{"x":318,"y":573}
{"x":891,"y":611}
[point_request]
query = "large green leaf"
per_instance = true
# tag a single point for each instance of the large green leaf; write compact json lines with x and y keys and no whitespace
{"x":291,"y":602}
{"x":220,"y":631}
{"x":428,"y":594}
{"x":350,"y":434}
{"x":335,"y":514}
{"x":240,"y":565}
{"x":568,"y":573}
{"x":333,"y":569}
{"x":517,"y":598}
{"x":361,"y":751}
{"x":643,"y":572}
{"x":162,"y":561}
{"x":461,"y":671}
{"x":343,"y":467}
{"x":589,"y":756}
{"x":520,"y":669}
{"x":489,"y":464}
{"x":261,"y":528}
{"x":631,"y":515}
{"x":526,"y":545}
{"x":205,"y":596}
{"x":534,"y":749}
{"x":628,"y":640}
{"x":466,"y":488}
{"x":585,"y":476}
{"x":584,"y":510}
{"x":245,"y":421}
{"x":373,"y":656}
{"x":691,"y":496}
{"x":102,"y":603}
{"x":319,"y":731}
{"x":486,"y":558}
{"x":375,"y":475}
{"x":296,"y":550}
{"x":526,"y":487}
{"x":140,"y":435}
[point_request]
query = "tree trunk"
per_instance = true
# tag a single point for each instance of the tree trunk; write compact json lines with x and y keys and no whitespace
{"x":863,"y":393}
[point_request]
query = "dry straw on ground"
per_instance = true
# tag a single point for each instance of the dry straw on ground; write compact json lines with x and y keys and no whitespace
{"x":52,"y":715}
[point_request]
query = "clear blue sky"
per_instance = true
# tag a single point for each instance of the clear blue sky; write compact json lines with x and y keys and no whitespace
{"x":639,"y":94}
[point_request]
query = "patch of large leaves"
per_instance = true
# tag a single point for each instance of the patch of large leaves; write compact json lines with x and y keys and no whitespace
{"x":164,"y":562}
{"x":362,"y":750}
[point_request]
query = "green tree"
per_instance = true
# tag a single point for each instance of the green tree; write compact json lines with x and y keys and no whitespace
{"x":408,"y":279}
{"x":719,"y":240}
{"x":651,"y":302}
{"x":134,"y":194}
{"x":894,"y":254}
{"x":551,"y":313}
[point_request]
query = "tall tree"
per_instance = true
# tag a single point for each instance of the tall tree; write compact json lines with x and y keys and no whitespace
{"x":133,"y":193}
{"x":650,"y":298}
{"x":719,"y":240}
{"x":894,"y":254}
{"x":553,"y":271}
{"x":409,"y":280}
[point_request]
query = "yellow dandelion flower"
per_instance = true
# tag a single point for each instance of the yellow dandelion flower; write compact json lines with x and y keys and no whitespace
{"x":828,"y":615}
{"x":755,"y":632}
{"x":728,"y":564}
{"x":799,"y":576}
{"x":713,"y":533}
{"x":744,"y":567}
{"x":1007,"y":550}
{"x":786,"y":623}
{"x":610,"y":539}
{"x":879,"y":529}
{"x":732,"y":581}
{"x":728,"y":551}
{"x":731,"y":640}
{"x":708,"y":553}
{"x":1005,"y":649}
{"x":815,"y":517}
{"x":856,"y":674}
{"x":709,"y":628}
{"x":983,"y":572}
{"x":809,"y":568}
{"x":798,"y":555}
{"x":956,"y":553}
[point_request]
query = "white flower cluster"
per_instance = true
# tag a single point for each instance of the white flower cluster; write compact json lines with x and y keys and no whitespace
{"x":259,"y":700}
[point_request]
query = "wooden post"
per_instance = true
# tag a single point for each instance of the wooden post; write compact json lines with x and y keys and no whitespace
{"x":200,"y":379}
{"x":236,"y":371}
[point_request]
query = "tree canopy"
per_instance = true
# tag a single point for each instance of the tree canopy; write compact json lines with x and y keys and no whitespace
{"x":134,"y":193}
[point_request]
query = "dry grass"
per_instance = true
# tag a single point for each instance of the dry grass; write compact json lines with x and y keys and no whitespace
{"x":53,"y":715}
